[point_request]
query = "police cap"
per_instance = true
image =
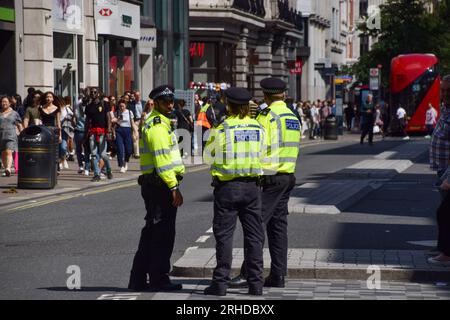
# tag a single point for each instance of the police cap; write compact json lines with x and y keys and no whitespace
{"x":273,"y":86}
{"x":238,"y":96}
{"x":165,"y":92}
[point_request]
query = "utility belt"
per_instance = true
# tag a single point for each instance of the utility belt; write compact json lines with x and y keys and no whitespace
{"x":273,"y":179}
{"x":153,"y":179}
{"x":217,"y":183}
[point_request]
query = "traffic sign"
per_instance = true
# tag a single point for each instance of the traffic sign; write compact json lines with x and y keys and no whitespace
{"x":374,"y":72}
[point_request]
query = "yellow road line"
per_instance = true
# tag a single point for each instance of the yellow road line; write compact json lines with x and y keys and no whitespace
{"x":88,"y":193}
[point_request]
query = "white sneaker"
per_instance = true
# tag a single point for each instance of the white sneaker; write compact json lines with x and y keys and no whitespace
{"x":126,"y":166}
{"x":102,"y":176}
{"x":122,"y":170}
{"x":65,"y":164}
{"x":406,"y":138}
{"x":428,"y":137}
{"x":86,"y":173}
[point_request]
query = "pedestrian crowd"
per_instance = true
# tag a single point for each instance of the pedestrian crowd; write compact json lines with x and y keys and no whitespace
{"x":91,"y":131}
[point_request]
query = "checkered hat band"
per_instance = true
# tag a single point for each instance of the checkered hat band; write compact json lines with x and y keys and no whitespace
{"x":274,"y":91}
{"x":165,"y":93}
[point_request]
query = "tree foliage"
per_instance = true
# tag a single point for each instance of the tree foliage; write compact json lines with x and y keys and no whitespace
{"x":406,"y":27}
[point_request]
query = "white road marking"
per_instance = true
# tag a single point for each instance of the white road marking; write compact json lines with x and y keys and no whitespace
{"x":203,"y":239}
{"x":425,"y":243}
{"x":190,"y":249}
{"x":210,"y":231}
{"x":122,"y":296}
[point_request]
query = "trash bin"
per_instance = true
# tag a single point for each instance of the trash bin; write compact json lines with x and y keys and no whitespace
{"x":331,"y":128}
{"x":38,"y":156}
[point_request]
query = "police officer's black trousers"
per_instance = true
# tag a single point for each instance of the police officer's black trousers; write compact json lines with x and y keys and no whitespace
{"x":275,"y":198}
{"x":157,"y":237}
{"x":232,"y":200}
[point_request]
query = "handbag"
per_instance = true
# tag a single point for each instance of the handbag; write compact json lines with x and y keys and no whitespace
{"x":376,"y":129}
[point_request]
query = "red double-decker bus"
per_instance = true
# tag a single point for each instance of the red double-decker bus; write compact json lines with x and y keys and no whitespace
{"x":415,"y":83}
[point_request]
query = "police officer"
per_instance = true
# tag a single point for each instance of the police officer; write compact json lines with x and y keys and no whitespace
{"x":162,"y":171}
{"x":282,"y":130}
{"x":234,"y":150}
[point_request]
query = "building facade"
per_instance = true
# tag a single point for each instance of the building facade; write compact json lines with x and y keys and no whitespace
{"x":242,"y":42}
{"x":67,"y":45}
{"x":8,"y":46}
{"x":333,"y":39}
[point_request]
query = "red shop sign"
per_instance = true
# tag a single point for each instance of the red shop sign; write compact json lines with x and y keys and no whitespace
{"x":298,"y":67}
{"x":197,"y":49}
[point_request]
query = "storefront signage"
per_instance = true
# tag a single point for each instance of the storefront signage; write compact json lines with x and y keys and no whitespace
{"x":147,"y":41}
{"x":298,"y":67}
{"x":106,"y":12}
{"x":7,"y":14}
{"x":197,"y":49}
{"x":127,"y":21}
{"x":125,"y":25}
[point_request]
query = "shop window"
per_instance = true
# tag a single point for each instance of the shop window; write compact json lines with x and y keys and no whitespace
{"x":203,"y":55}
{"x":63,"y":46}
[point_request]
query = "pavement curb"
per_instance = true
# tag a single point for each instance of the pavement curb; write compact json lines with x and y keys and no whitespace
{"x":393,"y":265}
{"x":362,"y":273}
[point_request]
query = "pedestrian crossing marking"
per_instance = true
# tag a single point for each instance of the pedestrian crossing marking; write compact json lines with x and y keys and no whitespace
{"x":203,"y":239}
{"x":425,"y":243}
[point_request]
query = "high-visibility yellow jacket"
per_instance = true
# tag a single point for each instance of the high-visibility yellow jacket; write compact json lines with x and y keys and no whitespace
{"x":234,"y":149}
{"x":282,"y":142}
{"x":202,"y":119}
{"x":160,"y":151}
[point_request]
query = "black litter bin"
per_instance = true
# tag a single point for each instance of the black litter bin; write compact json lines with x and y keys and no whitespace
{"x":38,"y":156}
{"x":331,"y":128}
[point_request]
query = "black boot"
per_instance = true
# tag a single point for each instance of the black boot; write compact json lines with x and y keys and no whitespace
{"x":215,"y":290}
{"x":138,"y":282}
{"x":274,"y":281}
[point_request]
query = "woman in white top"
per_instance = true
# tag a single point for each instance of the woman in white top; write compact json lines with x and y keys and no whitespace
{"x":124,"y":126}
{"x":67,"y":130}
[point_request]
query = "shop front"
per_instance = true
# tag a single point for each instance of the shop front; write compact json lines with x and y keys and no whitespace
{"x":8,"y":48}
{"x":118,"y":36}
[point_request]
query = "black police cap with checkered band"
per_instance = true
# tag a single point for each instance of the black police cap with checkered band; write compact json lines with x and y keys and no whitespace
{"x":273,"y":86}
{"x":163,"y":92}
{"x":238,"y":96}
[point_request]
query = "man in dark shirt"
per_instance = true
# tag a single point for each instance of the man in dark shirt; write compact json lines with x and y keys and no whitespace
{"x":97,"y":130}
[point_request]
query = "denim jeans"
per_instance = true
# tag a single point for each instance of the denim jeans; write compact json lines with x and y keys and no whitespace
{"x":98,"y":150}
{"x":63,"y":144}
{"x":124,"y":143}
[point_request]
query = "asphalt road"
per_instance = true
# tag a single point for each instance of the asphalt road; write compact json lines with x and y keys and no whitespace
{"x":100,"y":233}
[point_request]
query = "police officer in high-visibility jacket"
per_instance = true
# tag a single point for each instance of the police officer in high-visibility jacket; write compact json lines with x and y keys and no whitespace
{"x":282,"y":130}
{"x":234,"y":150}
{"x":162,"y":170}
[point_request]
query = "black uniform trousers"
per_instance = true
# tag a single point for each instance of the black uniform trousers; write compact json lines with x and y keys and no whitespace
{"x":157,"y":237}
{"x":232,"y":200}
{"x":443,"y":222}
{"x":368,"y":123}
{"x":275,"y":198}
